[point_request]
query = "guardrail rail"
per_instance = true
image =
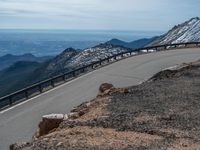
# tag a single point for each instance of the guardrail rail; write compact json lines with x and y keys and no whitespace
{"x":43,"y":86}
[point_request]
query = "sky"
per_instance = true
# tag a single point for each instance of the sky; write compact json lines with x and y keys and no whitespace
{"x":152,"y":15}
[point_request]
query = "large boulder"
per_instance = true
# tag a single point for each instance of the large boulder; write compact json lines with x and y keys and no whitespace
{"x":105,"y":87}
{"x":49,"y":123}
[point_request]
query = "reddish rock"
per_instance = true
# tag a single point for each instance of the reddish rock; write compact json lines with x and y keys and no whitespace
{"x":48,"y":123}
{"x":105,"y":86}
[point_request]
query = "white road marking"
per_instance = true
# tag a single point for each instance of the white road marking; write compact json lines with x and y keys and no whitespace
{"x":59,"y":86}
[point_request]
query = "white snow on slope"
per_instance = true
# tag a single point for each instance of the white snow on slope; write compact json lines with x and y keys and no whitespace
{"x":99,"y":52}
{"x":185,"y":32}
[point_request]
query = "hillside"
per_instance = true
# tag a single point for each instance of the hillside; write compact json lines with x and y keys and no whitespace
{"x":96,"y":53}
{"x":8,"y":60}
{"x":71,"y":58}
{"x":134,"y":44}
{"x":25,"y":73}
{"x":15,"y":73}
{"x":161,"y":113}
{"x":58,"y":64}
{"x":68,"y":60}
{"x":188,"y":31}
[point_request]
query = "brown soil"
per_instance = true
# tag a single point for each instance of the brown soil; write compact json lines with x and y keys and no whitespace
{"x":160,"y":114}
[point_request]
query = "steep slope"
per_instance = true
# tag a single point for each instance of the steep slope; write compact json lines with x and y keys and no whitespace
{"x":13,"y":74}
{"x":8,"y":60}
{"x":96,"y":53}
{"x":58,"y":64}
{"x":69,"y":59}
{"x":134,"y":44}
{"x":45,"y":70}
{"x":188,"y":31}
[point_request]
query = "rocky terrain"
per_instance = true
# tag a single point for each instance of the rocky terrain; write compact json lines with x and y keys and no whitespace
{"x":188,"y":31}
{"x":162,"y":113}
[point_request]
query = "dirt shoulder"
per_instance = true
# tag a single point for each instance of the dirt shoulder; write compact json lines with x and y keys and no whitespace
{"x":161,"y":113}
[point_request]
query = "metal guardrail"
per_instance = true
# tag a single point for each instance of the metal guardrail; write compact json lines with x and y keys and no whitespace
{"x":40,"y":87}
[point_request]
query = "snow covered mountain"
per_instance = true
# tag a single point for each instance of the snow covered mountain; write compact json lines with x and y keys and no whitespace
{"x":71,"y":59}
{"x":96,"y":53}
{"x":68,"y":60}
{"x":188,"y":31}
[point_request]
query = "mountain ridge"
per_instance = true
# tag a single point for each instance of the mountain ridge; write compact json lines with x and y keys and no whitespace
{"x":133,"y":44}
{"x":13,"y":75}
{"x":189,"y":31}
{"x":9,"y":59}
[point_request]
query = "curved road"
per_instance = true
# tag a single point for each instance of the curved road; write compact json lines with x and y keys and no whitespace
{"x":20,"y":122}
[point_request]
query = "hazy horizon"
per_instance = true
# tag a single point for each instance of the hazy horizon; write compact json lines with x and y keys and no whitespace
{"x":52,"y":42}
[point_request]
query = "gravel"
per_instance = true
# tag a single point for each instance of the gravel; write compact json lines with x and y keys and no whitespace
{"x":166,"y":107}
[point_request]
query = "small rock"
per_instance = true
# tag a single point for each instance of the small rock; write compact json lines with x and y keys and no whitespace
{"x":66,"y":117}
{"x":184,"y":145}
{"x":18,"y":146}
{"x":59,"y":144}
{"x":88,"y":104}
{"x":73,"y":115}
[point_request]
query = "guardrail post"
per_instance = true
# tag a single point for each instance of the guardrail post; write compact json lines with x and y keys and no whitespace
{"x":100,"y":62}
{"x":74,"y":73}
{"x":52,"y":83}
{"x":10,"y":101}
{"x":185,"y":45}
{"x":26,"y":94}
{"x":40,"y":88}
{"x":64,"y":77}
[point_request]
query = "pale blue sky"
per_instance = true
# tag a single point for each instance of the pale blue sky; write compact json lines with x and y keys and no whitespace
{"x":96,"y":14}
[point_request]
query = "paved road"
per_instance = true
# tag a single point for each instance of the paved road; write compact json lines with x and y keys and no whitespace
{"x":20,"y":122}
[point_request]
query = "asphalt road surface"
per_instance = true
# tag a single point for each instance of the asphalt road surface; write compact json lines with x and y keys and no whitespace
{"x":20,"y":122}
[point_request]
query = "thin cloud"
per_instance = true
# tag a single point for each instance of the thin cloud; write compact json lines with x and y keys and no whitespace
{"x":95,"y":14}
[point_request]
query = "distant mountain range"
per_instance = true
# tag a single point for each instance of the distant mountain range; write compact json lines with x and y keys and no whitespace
{"x":134,"y":44}
{"x":24,"y":73}
{"x":8,"y":60}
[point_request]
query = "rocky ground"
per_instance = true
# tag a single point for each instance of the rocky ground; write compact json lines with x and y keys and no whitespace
{"x":162,"y":113}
